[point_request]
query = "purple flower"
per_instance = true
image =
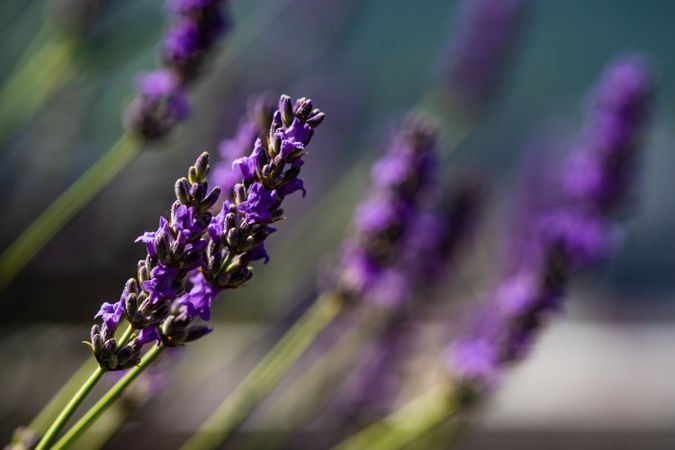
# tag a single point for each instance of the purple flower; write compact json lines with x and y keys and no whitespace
{"x":476,"y":360}
{"x":381,"y":221}
{"x":148,"y":335}
{"x":487,"y":31}
{"x":259,"y":205}
{"x":198,"y":24}
{"x":568,"y":233}
{"x":600,"y":172}
{"x":160,"y":285}
{"x":201,"y":295}
{"x":248,"y":165}
{"x":161,"y":103}
{"x":111,"y":314}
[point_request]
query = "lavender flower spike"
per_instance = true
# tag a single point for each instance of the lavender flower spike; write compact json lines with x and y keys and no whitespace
{"x":174,"y":252}
{"x":197,"y":26}
{"x":161,"y":102}
{"x":569,"y":238}
{"x":479,"y":51}
{"x":400,"y":179}
{"x":236,"y":236}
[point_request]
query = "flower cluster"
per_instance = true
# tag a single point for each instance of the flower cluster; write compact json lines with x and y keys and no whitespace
{"x":400,"y":179}
{"x":254,"y":124}
{"x":193,"y":255}
{"x":431,"y":245}
{"x":161,"y":102}
{"x":197,"y":26}
{"x":487,"y":31}
{"x":575,"y":234}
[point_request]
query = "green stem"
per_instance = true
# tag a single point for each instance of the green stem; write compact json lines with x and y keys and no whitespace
{"x":70,"y":408}
{"x":406,"y":424}
{"x":44,"y":418}
{"x":266,"y":375}
{"x":108,"y":399}
{"x":45,"y":66}
{"x":52,"y":219}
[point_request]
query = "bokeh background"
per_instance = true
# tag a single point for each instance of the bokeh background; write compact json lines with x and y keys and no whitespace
{"x":600,"y":378}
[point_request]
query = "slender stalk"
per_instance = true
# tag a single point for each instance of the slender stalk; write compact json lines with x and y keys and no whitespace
{"x":108,"y":399}
{"x":45,"y":67}
{"x":316,"y":385}
{"x":46,"y":416}
{"x":266,"y":375}
{"x":52,"y":219}
{"x":405,"y":425}
{"x":69,"y":410}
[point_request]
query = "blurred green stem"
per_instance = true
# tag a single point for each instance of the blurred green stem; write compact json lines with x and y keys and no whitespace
{"x":45,"y":66}
{"x":70,"y":408}
{"x":52,"y":219}
{"x":108,"y":399}
{"x":410,"y":422}
{"x":266,"y":375}
{"x":68,"y":398}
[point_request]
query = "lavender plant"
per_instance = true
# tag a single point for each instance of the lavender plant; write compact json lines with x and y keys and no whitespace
{"x":567,"y":239}
{"x":430,"y":248}
{"x":193,"y":255}
{"x":160,"y":105}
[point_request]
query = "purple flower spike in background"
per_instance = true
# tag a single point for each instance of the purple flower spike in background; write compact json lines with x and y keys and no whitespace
{"x":400,"y":180}
{"x":573,"y":232}
{"x":475,"y":62}
{"x":197,"y":26}
{"x":160,"y":105}
{"x":602,"y":169}
{"x":161,"y":102}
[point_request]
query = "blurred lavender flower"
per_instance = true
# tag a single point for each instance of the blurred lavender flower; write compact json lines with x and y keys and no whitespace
{"x":574,"y":234}
{"x":487,"y":31}
{"x":253,"y":125}
{"x":193,"y":255}
{"x":160,"y":105}
{"x":197,"y":26}
{"x":161,"y":102}
{"x":399,"y":181}
{"x":430,"y":247}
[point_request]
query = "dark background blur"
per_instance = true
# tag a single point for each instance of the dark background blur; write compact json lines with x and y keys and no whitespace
{"x":601,"y":379}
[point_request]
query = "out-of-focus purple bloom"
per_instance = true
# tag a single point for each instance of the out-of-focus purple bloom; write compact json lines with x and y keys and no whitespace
{"x":161,"y":103}
{"x":475,"y":359}
{"x":572,"y":231}
{"x":602,"y":169}
{"x":477,"y":57}
{"x":399,"y":181}
{"x":197,"y":26}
